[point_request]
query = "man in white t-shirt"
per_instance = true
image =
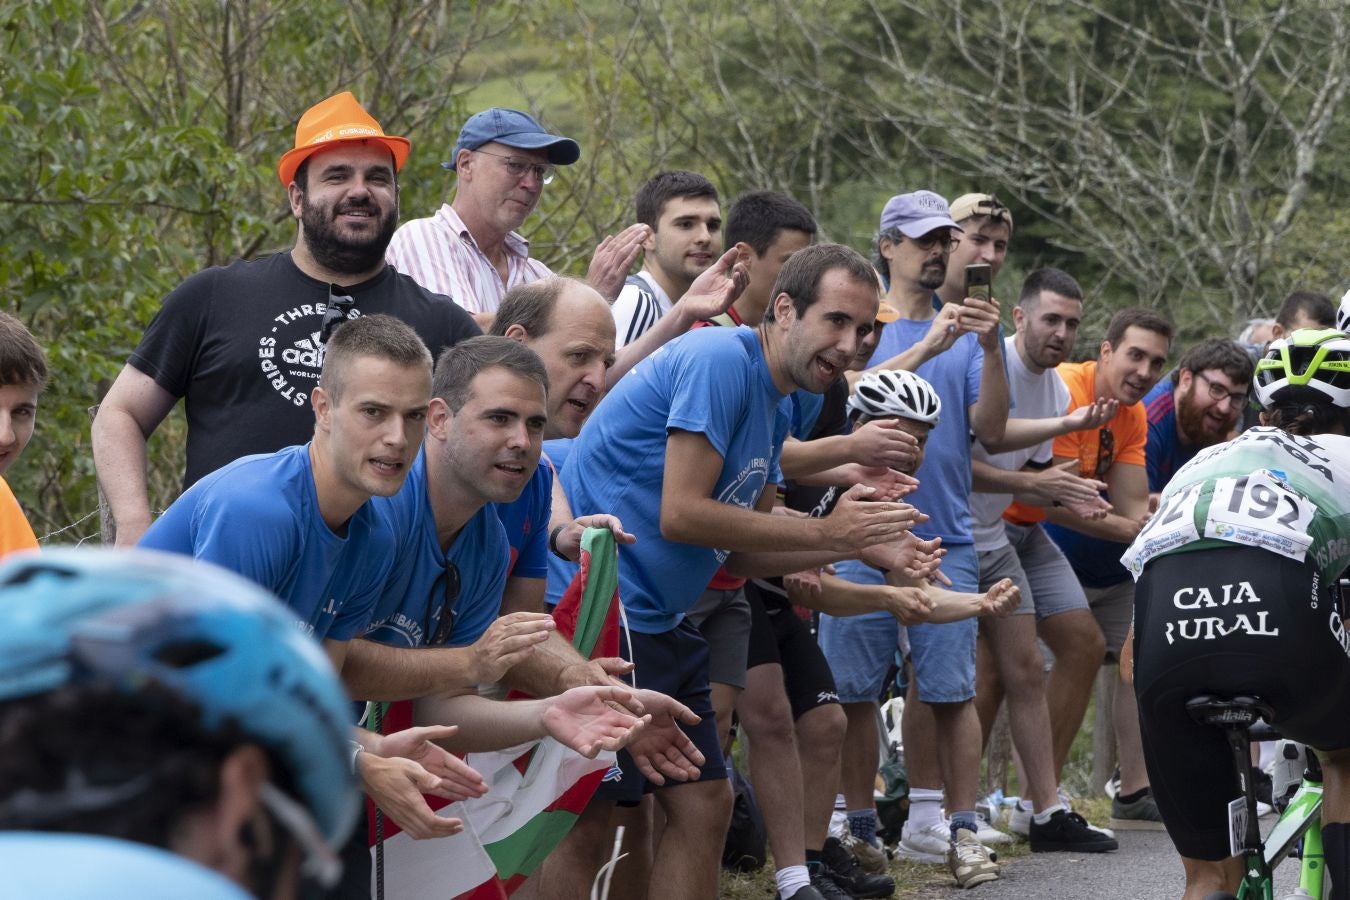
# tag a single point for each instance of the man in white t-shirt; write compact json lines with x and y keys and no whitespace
{"x":1047,"y":316}
{"x":685,"y":217}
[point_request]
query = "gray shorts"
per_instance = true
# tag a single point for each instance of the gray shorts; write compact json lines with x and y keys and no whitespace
{"x":995,"y":565}
{"x":1054,"y":587}
{"x":723,"y":618}
{"x":1113,"y":608}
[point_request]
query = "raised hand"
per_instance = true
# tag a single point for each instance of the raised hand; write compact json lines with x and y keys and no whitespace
{"x":804,"y":584}
{"x":397,"y":784}
{"x":981,"y":317}
{"x":944,"y":331}
{"x":911,"y":605}
{"x":662,"y":750}
{"x":1093,"y":415}
{"x":613,"y":258}
{"x":458,"y":780}
{"x":508,"y":641}
{"x":859,"y":522}
{"x":584,"y":719}
{"x":1062,"y":484}
{"x":1096,"y":508}
{"x":713,"y":292}
{"x":1001,"y":599}
{"x":569,"y":539}
{"x":906,"y":555}
{"x":881,"y":443}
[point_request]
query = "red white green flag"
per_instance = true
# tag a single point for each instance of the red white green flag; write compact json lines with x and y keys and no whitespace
{"x":535,"y":791}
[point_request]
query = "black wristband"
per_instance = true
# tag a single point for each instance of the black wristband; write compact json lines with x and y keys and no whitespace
{"x":553,"y":542}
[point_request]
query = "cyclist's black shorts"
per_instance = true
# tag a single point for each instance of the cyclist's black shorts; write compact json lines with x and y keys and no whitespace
{"x":1228,"y":621}
{"x":778,"y":635}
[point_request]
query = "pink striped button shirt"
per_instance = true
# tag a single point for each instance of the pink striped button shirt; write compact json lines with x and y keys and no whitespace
{"x":441,"y":255}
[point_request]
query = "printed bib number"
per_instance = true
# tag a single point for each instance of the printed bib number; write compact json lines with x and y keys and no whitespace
{"x":1260,"y":510}
{"x":1170,"y":527}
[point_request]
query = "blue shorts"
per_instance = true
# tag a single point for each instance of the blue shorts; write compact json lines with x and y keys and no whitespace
{"x":861,"y":648}
{"x":675,"y":663}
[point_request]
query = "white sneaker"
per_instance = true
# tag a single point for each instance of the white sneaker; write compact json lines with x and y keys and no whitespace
{"x":971,"y":862}
{"x":988,"y":834}
{"x":1019,"y":821}
{"x":927,"y":845}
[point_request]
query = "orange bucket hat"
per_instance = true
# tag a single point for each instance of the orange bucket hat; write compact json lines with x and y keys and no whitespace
{"x":339,"y":118}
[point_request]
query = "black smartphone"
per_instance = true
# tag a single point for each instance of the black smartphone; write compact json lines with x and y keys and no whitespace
{"x":979,"y":277}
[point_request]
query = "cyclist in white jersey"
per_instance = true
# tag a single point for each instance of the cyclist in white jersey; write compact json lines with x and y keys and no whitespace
{"x":1237,"y":595}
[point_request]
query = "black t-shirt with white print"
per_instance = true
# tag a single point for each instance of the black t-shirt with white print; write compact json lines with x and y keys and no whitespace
{"x":240,"y":343}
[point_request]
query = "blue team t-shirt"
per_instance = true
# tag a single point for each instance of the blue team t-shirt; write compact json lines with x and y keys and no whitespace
{"x":944,"y":477}
{"x":713,"y":381}
{"x":412,"y":603}
{"x":259,"y":516}
{"x":526,"y":523}
{"x":1165,"y":452}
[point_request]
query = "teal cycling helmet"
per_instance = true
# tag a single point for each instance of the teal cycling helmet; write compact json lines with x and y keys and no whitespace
{"x":1309,"y":365}
{"x":126,"y":619}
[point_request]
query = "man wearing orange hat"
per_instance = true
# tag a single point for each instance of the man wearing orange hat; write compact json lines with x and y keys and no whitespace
{"x":243,"y":344}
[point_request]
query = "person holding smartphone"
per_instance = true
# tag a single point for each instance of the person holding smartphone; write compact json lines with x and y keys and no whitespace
{"x":955,"y":347}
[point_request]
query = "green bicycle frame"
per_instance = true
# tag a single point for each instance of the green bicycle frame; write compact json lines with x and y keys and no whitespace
{"x":1302,"y":819}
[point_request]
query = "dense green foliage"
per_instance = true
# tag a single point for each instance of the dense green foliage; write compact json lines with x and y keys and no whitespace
{"x":1180,"y":154}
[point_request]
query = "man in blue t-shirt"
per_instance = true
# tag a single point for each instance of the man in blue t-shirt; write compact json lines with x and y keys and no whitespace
{"x":300,"y":523}
{"x":1197,"y":406}
{"x":484,"y":428}
{"x":685,"y":451}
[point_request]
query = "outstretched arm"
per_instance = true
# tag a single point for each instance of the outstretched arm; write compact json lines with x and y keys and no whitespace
{"x":710,"y":295}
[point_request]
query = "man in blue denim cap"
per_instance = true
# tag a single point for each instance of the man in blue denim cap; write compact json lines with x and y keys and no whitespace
{"x":471,"y":249}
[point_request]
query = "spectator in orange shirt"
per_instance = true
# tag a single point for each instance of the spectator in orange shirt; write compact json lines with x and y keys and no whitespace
{"x":1130,"y":362}
{"x":23,"y":375}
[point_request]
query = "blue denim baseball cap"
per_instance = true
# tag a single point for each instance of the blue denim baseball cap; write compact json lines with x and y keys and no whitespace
{"x":917,"y":214}
{"x":514,"y":129}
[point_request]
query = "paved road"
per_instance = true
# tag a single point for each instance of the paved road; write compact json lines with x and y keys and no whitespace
{"x":1144,"y":868}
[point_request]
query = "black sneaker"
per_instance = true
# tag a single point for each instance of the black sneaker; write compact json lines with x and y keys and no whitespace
{"x":843,"y":867}
{"x":1068,"y":831}
{"x":822,"y":879}
{"x":802,"y":893}
{"x":822,"y":887}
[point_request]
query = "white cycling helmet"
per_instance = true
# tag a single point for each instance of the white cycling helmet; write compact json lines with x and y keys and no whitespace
{"x":1309,"y":365}
{"x":1343,"y":314}
{"x":895,"y":393}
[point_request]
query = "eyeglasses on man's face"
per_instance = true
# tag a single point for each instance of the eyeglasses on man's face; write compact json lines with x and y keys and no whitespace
{"x":943,"y":240}
{"x":1218,"y":393}
{"x":517,"y":167}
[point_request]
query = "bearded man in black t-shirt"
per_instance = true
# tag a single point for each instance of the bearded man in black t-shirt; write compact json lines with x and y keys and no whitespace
{"x":243,"y":344}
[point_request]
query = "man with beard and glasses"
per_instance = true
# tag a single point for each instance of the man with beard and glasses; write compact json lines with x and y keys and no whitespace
{"x":1129,"y":362}
{"x":1195,"y":407}
{"x":243,"y":344}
